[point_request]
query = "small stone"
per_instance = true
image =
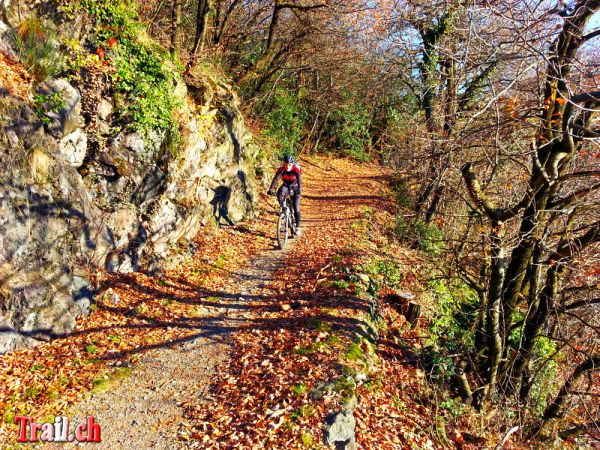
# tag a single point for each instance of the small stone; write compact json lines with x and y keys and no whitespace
{"x":13,"y":138}
{"x":360,"y":377}
{"x":285,"y":307}
{"x":135,"y":142}
{"x":105,"y":109}
{"x":363,"y":278}
{"x":73,"y":147}
{"x":340,"y":428}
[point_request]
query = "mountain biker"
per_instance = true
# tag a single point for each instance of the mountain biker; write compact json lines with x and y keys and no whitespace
{"x":291,"y":175}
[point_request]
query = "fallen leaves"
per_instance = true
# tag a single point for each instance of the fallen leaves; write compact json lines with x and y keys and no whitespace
{"x":289,"y":365}
{"x":14,"y":78}
{"x":136,"y":314}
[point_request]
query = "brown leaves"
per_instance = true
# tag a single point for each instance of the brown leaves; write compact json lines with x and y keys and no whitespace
{"x":136,"y":314}
{"x":14,"y":78}
{"x":294,"y":337}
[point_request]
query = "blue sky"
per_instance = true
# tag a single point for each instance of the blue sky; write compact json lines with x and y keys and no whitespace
{"x":594,"y":22}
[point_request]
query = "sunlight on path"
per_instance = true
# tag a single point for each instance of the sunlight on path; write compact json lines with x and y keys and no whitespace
{"x":143,"y":406}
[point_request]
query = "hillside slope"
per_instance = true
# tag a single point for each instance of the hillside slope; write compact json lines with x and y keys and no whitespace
{"x":110,"y":160}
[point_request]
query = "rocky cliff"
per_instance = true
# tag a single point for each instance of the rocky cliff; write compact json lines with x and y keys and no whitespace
{"x":83,"y":189}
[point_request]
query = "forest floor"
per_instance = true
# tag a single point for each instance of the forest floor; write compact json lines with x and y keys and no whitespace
{"x":245,"y":346}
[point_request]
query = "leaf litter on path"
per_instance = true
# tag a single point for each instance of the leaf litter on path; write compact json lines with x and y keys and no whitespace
{"x":279,"y":332}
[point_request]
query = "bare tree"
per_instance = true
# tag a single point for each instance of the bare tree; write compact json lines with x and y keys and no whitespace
{"x":553,"y":232}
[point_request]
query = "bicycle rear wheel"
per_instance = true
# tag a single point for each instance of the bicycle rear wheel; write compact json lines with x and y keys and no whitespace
{"x":282,"y":231}
{"x":292,"y":225}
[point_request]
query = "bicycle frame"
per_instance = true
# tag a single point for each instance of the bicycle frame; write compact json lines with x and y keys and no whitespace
{"x":286,"y":222}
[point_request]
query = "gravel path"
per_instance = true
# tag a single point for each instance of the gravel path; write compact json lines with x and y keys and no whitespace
{"x":144,"y":410}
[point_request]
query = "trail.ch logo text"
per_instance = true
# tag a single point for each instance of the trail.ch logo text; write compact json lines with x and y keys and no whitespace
{"x":58,"y":431}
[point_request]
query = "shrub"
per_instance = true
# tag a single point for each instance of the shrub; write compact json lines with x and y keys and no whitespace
{"x":437,"y":364}
{"x":546,"y":367}
{"x":386,"y":271}
{"x":350,"y":131}
{"x":455,"y":311}
{"x":402,"y":194}
{"x":44,"y":103}
{"x":119,"y":15}
{"x":454,"y":408}
{"x":285,"y":122}
{"x":38,"y":49}
{"x":427,"y":237}
{"x":148,"y":88}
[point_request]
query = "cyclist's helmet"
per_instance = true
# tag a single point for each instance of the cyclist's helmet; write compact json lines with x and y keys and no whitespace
{"x":288,"y":159}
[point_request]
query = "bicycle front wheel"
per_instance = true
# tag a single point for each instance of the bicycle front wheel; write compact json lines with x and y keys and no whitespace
{"x":282,"y":231}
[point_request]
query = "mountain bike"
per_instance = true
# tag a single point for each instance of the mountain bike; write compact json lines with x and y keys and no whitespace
{"x":286,"y":225}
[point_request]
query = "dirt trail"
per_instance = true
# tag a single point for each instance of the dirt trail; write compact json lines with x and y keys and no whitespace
{"x":145,"y":410}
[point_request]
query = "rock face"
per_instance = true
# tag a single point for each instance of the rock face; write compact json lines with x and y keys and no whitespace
{"x":68,"y":208}
{"x":5,"y":33}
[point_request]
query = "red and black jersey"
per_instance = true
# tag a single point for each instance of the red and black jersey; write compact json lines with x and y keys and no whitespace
{"x":291,"y":178}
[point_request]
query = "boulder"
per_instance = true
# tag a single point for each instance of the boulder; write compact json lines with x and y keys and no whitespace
{"x":73,"y":147}
{"x":62,"y":107}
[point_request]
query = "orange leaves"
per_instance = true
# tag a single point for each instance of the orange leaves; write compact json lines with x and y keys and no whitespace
{"x":136,"y":314}
{"x":14,"y":77}
{"x":112,"y":42}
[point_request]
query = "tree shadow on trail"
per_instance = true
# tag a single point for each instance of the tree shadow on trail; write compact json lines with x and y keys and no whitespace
{"x":354,"y":201}
{"x":221,"y":328}
{"x":223,"y":322}
{"x":343,"y":198}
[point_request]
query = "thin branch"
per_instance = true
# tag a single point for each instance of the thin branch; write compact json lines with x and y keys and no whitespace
{"x":578,"y":304}
{"x":593,"y":97}
{"x":592,"y":34}
{"x":565,"y":201}
{"x":301,"y":7}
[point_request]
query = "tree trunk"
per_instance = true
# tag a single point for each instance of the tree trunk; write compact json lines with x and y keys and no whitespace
{"x":533,"y":326}
{"x":205,"y":7}
{"x":222,"y":22}
{"x":435,"y":202}
{"x":176,"y":29}
{"x":579,"y":429}
{"x":493,"y":309}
